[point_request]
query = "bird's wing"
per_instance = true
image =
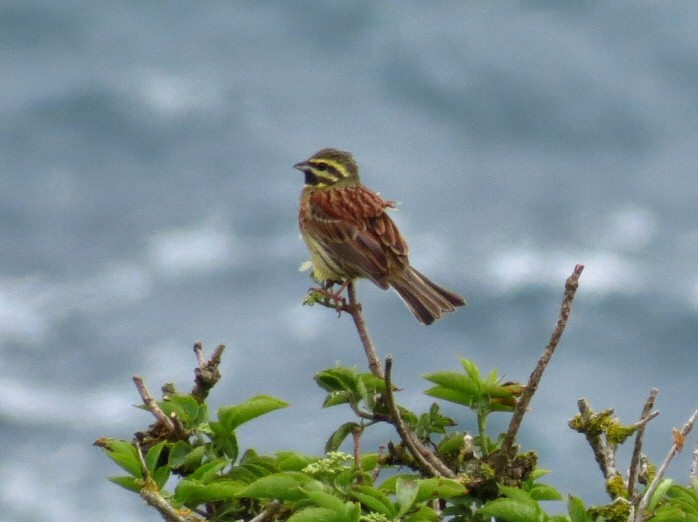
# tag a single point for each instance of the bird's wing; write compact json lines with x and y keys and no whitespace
{"x":352,"y":222}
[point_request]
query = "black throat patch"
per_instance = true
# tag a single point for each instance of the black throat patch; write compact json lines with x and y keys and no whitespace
{"x":310,"y":177}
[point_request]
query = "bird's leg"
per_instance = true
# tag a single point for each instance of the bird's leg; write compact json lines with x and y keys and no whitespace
{"x":337,"y":296}
{"x":334,"y":299}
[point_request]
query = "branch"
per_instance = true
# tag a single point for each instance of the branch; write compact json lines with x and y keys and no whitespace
{"x":645,"y":417}
{"x":694,"y":465}
{"x":355,"y":310}
{"x":679,"y":438}
{"x":571,"y":286}
{"x":149,"y":492}
{"x":170,"y":514}
{"x":269,"y":511}
{"x":206,"y":375}
{"x":152,"y":405}
{"x":426,"y":459}
{"x":603,"y":453}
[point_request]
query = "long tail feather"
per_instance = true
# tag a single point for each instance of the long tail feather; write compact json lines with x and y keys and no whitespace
{"x":425,"y":299}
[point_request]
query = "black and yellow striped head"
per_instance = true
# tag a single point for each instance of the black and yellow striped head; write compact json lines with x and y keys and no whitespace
{"x":328,"y":167}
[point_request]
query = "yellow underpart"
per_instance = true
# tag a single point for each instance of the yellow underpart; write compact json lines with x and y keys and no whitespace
{"x":321,"y":272}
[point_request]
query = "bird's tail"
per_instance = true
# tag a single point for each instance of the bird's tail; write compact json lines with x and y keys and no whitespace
{"x":425,"y":299}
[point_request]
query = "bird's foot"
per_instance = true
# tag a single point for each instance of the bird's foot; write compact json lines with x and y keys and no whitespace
{"x":325,"y":296}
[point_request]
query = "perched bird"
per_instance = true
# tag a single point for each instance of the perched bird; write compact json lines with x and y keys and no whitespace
{"x":349,"y":235}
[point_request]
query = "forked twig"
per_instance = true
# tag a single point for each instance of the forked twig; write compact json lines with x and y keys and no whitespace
{"x":426,"y":459}
{"x":152,"y":405}
{"x":571,"y":286}
{"x":149,"y":492}
{"x":645,"y":417}
{"x":206,"y":375}
{"x":676,"y":447}
{"x":269,"y":511}
{"x":604,"y":453}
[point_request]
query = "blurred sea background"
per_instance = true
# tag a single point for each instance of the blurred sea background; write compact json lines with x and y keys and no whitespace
{"x":148,"y":201}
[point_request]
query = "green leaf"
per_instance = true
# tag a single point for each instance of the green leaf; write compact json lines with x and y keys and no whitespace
{"x":125,"y":455}
{"x":471,"y":391}
{"x":433,"y":488}
{"x":517,"y":507}
{"x":293,"y":461}
{"x":544,"y":492}
{"x":374,"y":500}
{"x":339,"y":397}
{"x":232,"y":417}
{"x":224,"y":440}
{"x":178,"y":453}
{"x":406,"y":493}
{"x":247,"y":474}
{"x":326,"y":500}
{"x":684,"y":497}
{"x":314,"y":514}
{"x":662,"y":488}
{"x":577,"y":511}
{"x":259,"y":466}
{"x":341,"y":433}
{"x":372,"y":383}
{"x":423,"y":514}
{"x":338,"y":379}
{"x":282,"y":486}
{"x":518,"y":495}
{"x":193,"y":492}
{"x":161,"y":475}
{"x":209,"y":471}
{"x":471,"y":369}
{"x":182,"y":455}
{"x":184,"y":407}
{"x":389,"y":484}
{"x":454,"y":381}
{"x":369,"y":461}
{"x":153,"y":456}
{"x":130,"y":483}
{"x":453,"y":395}
{"x":668,"y":513}
{"x":537,"y":473}
{"x":510,"y":510}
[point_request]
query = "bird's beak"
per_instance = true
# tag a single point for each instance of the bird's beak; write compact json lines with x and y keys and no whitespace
{"x":301,"y":166}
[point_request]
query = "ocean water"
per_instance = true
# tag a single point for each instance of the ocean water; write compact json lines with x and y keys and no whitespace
{"x":148,"y":201}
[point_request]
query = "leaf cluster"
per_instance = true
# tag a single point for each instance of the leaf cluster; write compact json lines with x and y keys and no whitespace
{"x":213,"y":479}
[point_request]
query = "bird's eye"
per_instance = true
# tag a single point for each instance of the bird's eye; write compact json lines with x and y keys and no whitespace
{"x":322,"y":167}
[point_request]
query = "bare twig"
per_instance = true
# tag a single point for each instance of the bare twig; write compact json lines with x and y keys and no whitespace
{"x":676,"y":448}
{"x":152,"y":405}
{"x":694,"y":465}
{"x":426,"y":459}
{"x":354,"y":309}
{"x":571,"y":286}
{"x":149,"y":492}
{"x":603,"y":453}
{"x":398,"y":422}
{"x":269,"y":511}
{"x":167,"y":512}
{"x":206,"y":375}
{"x":645,"y":417}
{"x":141,"y":460}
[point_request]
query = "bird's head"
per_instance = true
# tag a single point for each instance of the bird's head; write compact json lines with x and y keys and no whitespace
{"x":329,"y":167}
